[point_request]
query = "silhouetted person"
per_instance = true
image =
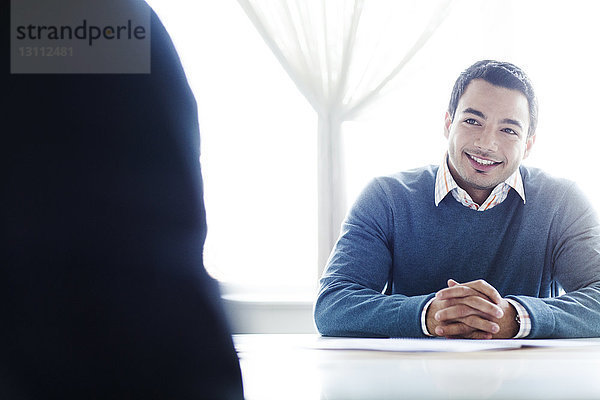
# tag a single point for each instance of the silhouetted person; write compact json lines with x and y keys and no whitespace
{"x":104,"y":293}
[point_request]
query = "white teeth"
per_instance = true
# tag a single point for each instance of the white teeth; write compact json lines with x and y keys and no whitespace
{"x":482,"y":161}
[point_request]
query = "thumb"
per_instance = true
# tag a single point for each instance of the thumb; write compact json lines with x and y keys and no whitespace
{"x":452,"y":282}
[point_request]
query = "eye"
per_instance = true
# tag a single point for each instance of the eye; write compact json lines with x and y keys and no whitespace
{"x":510,"y":131}
{"x":471,"y":121}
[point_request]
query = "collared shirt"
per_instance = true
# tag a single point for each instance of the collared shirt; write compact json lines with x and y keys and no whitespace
{"x":444,"y":184}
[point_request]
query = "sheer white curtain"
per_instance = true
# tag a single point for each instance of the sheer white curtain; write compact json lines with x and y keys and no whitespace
{"x":342,"y":54}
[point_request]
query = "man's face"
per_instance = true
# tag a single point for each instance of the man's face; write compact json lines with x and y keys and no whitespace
{"x":487,"y":139}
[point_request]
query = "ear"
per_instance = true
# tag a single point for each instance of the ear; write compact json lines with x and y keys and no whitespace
{"x":447,"y":124}
{"x":528,"y":146}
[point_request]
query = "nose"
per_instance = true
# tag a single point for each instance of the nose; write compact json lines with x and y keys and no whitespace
{"x":486,"y":140}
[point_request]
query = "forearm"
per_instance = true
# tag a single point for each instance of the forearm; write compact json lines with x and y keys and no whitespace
{"x":345,"y":308}
{"x":575,"y":314}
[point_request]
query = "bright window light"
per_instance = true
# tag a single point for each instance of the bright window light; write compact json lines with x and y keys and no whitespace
{"x":258,"y":148}
{"x":259,"y":133}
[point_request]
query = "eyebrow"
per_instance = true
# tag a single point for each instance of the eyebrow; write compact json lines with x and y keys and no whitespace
{"x":482,"y":115}
{"x":511,"y":121}
{"x":474,"y":112}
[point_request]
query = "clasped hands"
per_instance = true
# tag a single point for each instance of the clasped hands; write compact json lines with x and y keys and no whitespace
{"x":472,"y":310}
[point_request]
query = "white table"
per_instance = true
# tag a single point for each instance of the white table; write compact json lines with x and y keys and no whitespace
{"x":290,"y":367}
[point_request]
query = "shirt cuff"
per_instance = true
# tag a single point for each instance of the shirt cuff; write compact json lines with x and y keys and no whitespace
{"x":523,"y":319}
{"x":424,"y":318}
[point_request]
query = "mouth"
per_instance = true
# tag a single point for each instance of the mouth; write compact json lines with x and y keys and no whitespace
{"x":482,"y":164}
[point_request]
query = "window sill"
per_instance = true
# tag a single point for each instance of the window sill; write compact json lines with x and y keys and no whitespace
{"x":268,"y":310}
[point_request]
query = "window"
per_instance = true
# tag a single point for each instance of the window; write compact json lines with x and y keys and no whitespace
{"x":258,"y":148}
{"x":259,"y":134}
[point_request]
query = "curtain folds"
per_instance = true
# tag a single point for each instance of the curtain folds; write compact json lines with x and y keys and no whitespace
{"x":342,"y":55}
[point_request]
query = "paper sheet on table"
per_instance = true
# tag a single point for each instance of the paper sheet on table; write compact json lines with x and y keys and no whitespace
{"x":555,"y":342}
{"x":413,"y":345}
{"x":441,"y":345}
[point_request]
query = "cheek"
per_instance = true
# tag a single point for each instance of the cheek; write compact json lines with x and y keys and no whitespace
{"x":452,"y":145}
{"x":515,"y":152}
{"x":454,"y":140}
{"x":464,"y":138}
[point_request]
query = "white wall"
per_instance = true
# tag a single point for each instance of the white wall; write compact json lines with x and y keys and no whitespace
{"x":263,"y":316}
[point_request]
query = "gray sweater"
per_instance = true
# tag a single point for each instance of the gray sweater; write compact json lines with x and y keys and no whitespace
{"x":394,"y":232}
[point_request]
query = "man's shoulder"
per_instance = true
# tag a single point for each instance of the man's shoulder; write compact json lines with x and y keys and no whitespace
{"x":402,"y":186}
{"x":414,"y":178}
{"x":412,"y":185}
{"x":400,"y":190}
{"x":542,"y":187}
{"x":536,"y":178}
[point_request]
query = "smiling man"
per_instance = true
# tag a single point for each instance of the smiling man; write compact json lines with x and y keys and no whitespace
{"x":489,"y":138}
{"x":476,"y":247}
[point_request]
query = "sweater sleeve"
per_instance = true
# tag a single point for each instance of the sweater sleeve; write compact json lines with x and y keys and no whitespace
{"x":350,"y":300}
{"x":575,"y":241}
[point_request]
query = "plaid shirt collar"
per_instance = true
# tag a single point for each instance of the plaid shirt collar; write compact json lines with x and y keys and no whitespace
{"x":445,"y":183}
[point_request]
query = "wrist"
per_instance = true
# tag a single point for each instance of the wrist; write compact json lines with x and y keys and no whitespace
{"x":430,"y":322}
{"x":523,"y":319}
{"x":425,"y":327}
{"x":509,"y":326}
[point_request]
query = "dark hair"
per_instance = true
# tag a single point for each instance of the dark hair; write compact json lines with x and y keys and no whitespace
{"x":501,"y":74}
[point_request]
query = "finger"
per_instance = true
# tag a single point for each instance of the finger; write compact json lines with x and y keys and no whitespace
{"x":480,"y":324}
{"x":452,"y":282}
{"x":486,"y":289}
{"x":459,"y":291}
{"x":479,"y":335}
{"x":473,"y":335}
{"x":462,"y":307}
{"x":455,"y":330}
{"x":472,"y":327}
